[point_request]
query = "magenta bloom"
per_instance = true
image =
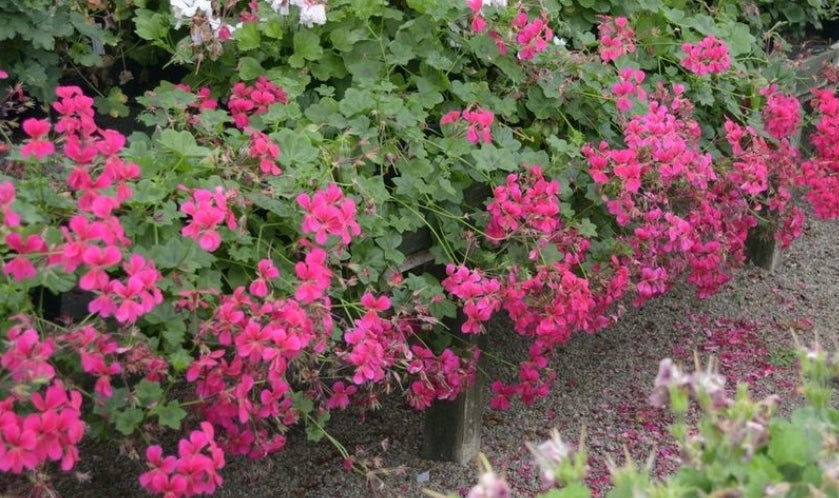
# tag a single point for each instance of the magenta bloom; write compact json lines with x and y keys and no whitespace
{"x":37,"y":146}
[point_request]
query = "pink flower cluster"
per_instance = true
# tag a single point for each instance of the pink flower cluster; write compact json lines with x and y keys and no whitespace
{"x":102,"y":356}
{"x":251,"y":339}
{"x":51,"y":431}
{"x":193,"y":472}
{"x":40,"y":426}
{"x":327,"y":213}
{"x":479,"y":123}
{"x":207,"y":211}
{"x":629,"y":85}
{"x":821,"y":172}
{"x":94,"y":240}
{"x":662,"y":161}
{"x":663,"y":156}
{"x":370,"y":341}
{"x":441,"y":377}
{"x":533,"y":36}
{"x":534,"y":210}
{"x":480,"y":295}
{"x":129,"y":299}
{"x":709,"y":56}
{"x":781,"y":114}
{"x":760,"y":165}
{"x":264,"y":149}
{"x":21,"y":266}
{"x":617,"y":38}
{"x":247,"y":101}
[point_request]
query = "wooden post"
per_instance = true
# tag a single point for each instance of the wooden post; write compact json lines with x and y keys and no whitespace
{"x":452,"y":429}
{"x":762,"y":250}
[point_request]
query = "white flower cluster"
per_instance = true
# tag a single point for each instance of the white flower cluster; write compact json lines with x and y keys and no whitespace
{"x":311,"y":11}
{"x":501,"y":4}
{"x":185,"y":10}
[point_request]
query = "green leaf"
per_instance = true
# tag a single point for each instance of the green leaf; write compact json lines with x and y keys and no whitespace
{"x":306,"y":48}
{"x":148,"y":393}
{"x":316,"y":431}
{"x":343,"y":38}
{"x":363,"y":61}
{"x":248,"y":36}
{"x":364,"y":9}
{"x":390,"y":244}
{"x":250,"y":68}
{"x":281,"y":207}
{"x":180,"y":359}
{"x":738,"y":38}
{"x":273,"y":29}
{"x":572,"y":490}
{"x":295,"y":147}
{"x":148,"y":192}
{"x":795,"y":442}
{"x":170,"y":415}
{"x":171,"y":253}
{"x":57,"y":282}
{"x":128,"y":420}
{"x":356,"y":102}
{"x":150,"y":25}
{"x":174,"y":334}
{"x":489,"y":159}
{"x":182,"y":143}
{"x":586,"y":228}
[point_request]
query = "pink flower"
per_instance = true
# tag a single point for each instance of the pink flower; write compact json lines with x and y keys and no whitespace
{"x":21,"y":267}
{"x":36,"y":146}
{"x":709,"y":56}
{"x":208,"y":210}
{"x":782,"y":113}
{"x":480,"y":120}
{"x":315,"y":277}
{"x":19,"y":454}
{"x":340,"y":397}
{"x":329,"y":212}
{"x":533,"y":38}
{"x":7,"y":198}
{"x":616,"y":38}
{"x":262,"y":148}
{"x":449,"y":118}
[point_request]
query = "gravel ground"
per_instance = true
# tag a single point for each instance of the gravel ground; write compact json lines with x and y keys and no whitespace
{"x":603,"y":383}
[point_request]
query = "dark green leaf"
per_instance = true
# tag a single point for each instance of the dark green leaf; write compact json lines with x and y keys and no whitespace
{"x":148,"y":392}
{"x":170,"y":415}
{"x":128,"y":420}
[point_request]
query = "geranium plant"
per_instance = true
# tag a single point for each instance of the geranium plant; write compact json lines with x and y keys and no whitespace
{"x":247,"y":263}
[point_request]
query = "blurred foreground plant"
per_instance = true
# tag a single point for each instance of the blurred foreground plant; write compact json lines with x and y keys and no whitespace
{"x":737,"y":448}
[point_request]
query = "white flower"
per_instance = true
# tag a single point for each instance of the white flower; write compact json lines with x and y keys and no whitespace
{"x":185,"y":9}
{"x":549,"y":455}
{"x":280,"y":7}
{"x":311,"y":14}
{"x":495,"y":3}
{"x":559,"y":42}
